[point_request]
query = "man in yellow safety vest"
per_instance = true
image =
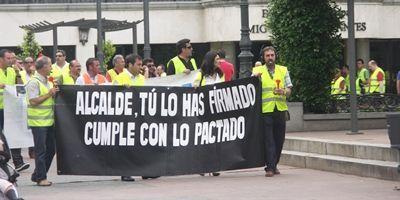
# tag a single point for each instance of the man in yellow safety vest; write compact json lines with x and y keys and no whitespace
{"x":276,"y":86}
{"x":183,"y":62}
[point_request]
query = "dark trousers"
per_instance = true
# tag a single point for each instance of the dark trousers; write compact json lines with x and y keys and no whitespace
{"x":45,"y":144}
{"x":15,"y":153}
{"x":274,"y":128}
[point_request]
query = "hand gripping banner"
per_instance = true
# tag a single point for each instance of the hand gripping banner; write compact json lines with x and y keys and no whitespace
{"x":158,"y":131}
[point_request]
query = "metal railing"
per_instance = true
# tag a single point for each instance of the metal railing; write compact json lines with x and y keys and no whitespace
{"x":366,"y":103}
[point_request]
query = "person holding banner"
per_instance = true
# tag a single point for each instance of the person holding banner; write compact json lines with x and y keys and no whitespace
{"x":182,"y":63}
{"x":41,"y":92}
{"x":9,"y":76}
{"x":276,"y":86}
{"x":92,"y":76}
{"x":132,"y":76}
{"x":210,"y":73}
{"x":73,"y":74}
{"x":119,"y":67}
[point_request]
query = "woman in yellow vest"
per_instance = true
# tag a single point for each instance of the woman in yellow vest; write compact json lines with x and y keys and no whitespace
{"x":209,"y":73}
{"x":276,"y":86}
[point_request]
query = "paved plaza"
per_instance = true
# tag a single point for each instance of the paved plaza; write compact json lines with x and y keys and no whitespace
{"x":293,"y":183}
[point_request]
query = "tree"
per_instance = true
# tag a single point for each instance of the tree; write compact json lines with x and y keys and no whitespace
{"x":30,"y":47}
{"x":306,"y":34}
{"x":109,"y":51}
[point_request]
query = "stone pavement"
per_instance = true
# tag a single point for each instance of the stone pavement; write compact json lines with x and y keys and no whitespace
{"x":293,"y":183}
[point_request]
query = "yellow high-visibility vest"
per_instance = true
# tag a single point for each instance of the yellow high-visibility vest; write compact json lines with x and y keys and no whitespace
{"x":179,"y":66}
{"x":41,"y":115}
{"x":269,"y":99}
{"x":57,"y":72}
{"x":67,"y":79}
{"x":124,"y":78}
{"x":374,"y":84}
{"x":7,"y":77}
{"x":335,"y":86}
{"x":113,"y":74}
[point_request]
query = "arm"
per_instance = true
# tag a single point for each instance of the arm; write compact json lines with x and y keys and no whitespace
{"x":170,"y":68}
{"x":40,"y":99}
{"x":108,"y":77}
{"x":398,"y":86}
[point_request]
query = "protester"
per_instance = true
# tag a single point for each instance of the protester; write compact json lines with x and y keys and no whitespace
{"x":9,"y":76}
{"x":119,"y":66}
{"x":151,"y":68}
{"x":160,"y":71}
{"x":377,"y":78}
{"x":61,"y":66}
{"x":227,"y":68}
{"x":210,"y":71}
{"x":346,"y":75}
{"x":73,"y":74}
{"x":41,"y":94}
{"x":276,"y":86}
{"x":26,"y":75}
{"x":132,"y":76}
{"x":182,"y":63}
{"x":362,"y":75}
{"x":92,"y":76}
{"x":29,"y":70}
{"x":338,"y":84}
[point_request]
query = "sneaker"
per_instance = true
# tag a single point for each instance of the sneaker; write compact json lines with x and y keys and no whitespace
{"x":269,"y":173}
{"x":22,"y":167}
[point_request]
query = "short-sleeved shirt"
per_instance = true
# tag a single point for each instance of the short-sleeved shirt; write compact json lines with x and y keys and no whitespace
{"x":33,"y":87}
{"x":288,"y":81}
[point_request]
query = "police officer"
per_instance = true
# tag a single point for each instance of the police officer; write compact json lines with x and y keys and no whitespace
{"x":276,"y":86}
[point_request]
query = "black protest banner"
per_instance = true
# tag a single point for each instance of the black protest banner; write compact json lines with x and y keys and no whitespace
{"x":157,"y":131}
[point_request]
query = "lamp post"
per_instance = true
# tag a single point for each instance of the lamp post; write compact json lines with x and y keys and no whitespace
{"x":146,"y":48}
{"x":245,"y":56}
{"x":100,"y":54}
{"x":351,"y":56}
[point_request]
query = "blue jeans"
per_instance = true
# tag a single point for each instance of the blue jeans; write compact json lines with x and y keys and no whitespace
{"x":274,"y":125}
{"x":45,"y":146}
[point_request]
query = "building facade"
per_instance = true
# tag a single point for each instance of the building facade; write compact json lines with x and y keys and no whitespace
{"x":210,"y":24}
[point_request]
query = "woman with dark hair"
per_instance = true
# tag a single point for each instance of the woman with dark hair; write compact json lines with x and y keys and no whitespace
{"x":210,"y":73}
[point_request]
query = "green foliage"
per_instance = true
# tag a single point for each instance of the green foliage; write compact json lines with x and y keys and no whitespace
{"x":109,"y":51}
{"x":306,"y":34}
{"x":29,"y":46}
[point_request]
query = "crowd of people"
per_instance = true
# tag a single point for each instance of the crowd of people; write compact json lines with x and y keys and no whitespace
{"x":368,"y":81}
{"x":41,"y":79}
